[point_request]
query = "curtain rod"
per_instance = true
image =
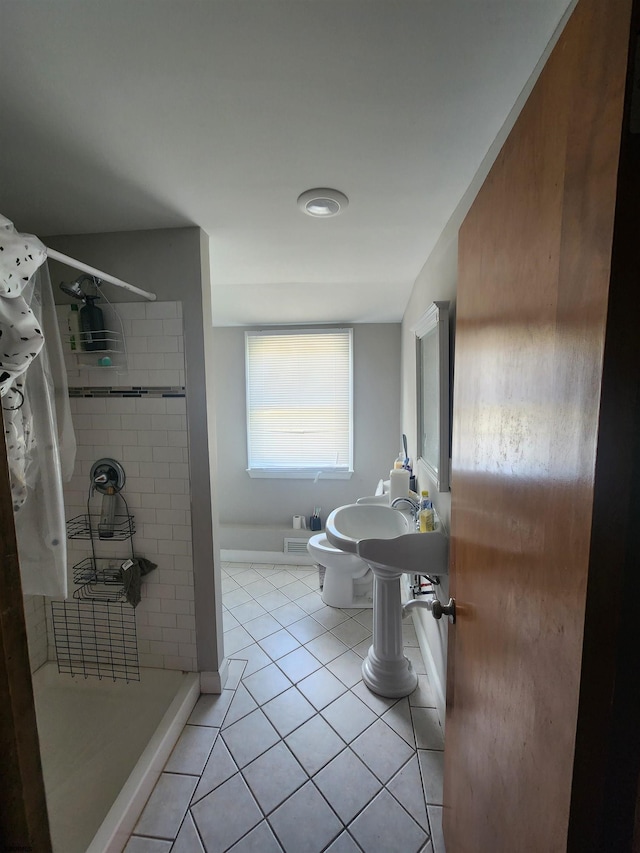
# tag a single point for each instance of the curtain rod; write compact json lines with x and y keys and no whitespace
{"x":103,"y":276}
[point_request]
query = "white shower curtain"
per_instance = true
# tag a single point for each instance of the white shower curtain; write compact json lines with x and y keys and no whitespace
{"x":36,"y":413}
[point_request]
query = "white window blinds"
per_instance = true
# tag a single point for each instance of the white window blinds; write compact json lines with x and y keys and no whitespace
{"x":299,"y":401}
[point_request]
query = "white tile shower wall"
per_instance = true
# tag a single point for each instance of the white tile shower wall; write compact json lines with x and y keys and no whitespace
{"x":36,"y":621}
{"x":148,"y":435}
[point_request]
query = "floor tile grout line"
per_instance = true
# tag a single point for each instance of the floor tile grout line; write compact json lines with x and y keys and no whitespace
{"x":345,"y":826}
{"x":415,"y":755}
{"x":197,"y":829}
{"x":311,"y":777}
{"x":306,"y":613}
{"x":333,"y":811}
{"x":153,"y":837}
{"x":303,"y":644}
{"x":181,"y":773}
{"x":348,"y":690}
{"x":266,"y":814}
{"x":282,"y":739}
{"x":195,"y":826}
{"x":329,"y":843}
{"x":199,"y":800}
{"x":426,"y":805}
{"x":293,"y":684}
{"x":299,"y":646}
{"x":430,"y":748}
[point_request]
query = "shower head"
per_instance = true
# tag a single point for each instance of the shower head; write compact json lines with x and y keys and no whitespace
{"x":72,"y":290}
{"x":75,"y":289}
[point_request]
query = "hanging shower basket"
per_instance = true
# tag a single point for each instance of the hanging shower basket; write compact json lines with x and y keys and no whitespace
{"x":88,"y":526}
{"x":99,"y":579}
{"x":106,"y":474}
{"x":112,"y":351}
{"x":95,"y":634}
{"x":102,"y":578}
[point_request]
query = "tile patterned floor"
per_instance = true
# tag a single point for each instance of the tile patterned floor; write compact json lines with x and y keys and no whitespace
{"x":296,"y":754}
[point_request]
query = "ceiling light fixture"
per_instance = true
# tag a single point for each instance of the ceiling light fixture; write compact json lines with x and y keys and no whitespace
{"x":322,"y":203}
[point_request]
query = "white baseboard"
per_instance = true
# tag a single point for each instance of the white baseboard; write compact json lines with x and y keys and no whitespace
{"x":271,"y":557}
{"x":430,"y":665}
{"x":214,"y":682}
{"x":433,"y":674}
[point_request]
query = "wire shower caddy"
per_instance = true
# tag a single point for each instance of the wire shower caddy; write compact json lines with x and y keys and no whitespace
{"x":95,"y":633}
{"x":100,"y":578}
{"x":113,"y":356}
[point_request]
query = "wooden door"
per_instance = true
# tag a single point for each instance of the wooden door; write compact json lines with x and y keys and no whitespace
{"x":545,"y":429}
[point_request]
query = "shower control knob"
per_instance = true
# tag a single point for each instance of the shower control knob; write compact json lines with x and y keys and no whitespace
{"x":107,"y":473}
{"x":438,"y":610}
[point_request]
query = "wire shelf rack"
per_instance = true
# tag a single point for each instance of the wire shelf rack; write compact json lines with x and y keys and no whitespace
{"x":95,"y":638}
{"x":101,"y":349}
{"x":109,"y":341}
{"x":88,"y":526}
{"x":98,"y":578}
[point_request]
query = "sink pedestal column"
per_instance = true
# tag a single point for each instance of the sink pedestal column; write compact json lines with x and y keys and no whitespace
{"x":385,"y":670}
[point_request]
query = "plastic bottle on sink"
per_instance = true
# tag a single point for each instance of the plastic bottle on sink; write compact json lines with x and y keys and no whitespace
{"x":398,"y":484}
{"x":426,"y":516}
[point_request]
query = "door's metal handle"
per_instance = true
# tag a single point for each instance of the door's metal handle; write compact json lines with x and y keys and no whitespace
{"x":449,"y":609}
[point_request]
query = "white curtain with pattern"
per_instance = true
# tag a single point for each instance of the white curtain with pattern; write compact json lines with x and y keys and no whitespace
{"x":35,"y":408}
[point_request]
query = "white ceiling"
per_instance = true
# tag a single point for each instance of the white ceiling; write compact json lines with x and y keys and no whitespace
{"x":134,"y":114}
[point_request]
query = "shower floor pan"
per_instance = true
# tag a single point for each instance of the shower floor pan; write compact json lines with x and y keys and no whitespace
{"x":103,"y":746}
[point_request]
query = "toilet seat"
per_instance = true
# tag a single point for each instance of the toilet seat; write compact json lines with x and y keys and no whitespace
{"x":348,"y":580}
{"x":327,"y":555}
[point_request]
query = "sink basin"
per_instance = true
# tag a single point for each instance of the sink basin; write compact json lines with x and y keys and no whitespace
{"x":382,"y":499}
{"x":350,"y":525}
{"x":386,"y":538}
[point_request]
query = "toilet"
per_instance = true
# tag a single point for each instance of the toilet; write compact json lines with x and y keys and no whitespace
{"x":348,"y":580}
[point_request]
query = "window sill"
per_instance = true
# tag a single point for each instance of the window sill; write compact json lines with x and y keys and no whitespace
{"x":275,"y":474}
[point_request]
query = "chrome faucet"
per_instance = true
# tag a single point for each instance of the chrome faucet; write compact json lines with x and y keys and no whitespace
{"x":415,"y":507}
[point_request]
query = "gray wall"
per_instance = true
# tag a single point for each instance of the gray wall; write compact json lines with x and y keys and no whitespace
{"x":377,"y":433}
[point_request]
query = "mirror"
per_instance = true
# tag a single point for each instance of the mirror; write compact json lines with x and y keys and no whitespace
{"x":432,"y":372}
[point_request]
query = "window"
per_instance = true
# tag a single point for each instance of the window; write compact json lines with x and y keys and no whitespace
{"x":299,"y":403}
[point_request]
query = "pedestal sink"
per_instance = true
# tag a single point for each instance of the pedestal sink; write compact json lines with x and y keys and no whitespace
{"x":387,"y":540}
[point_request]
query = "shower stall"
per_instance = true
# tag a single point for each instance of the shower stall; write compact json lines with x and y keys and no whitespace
{"x":105,"y":733}
{"x":103,"y":745}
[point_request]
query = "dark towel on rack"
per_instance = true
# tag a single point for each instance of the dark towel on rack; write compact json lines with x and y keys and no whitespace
{"x":132,"y":578}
